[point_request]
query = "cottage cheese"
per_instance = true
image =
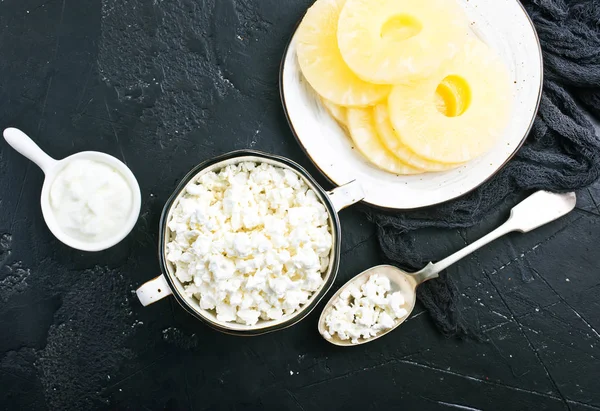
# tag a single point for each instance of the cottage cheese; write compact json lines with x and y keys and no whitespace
{"x":250,"y":242}
{"x":366,"y":311}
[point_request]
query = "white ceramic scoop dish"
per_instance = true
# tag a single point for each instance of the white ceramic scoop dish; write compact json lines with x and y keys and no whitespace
{"x":51,"y":168}
{"x":536,"y":210}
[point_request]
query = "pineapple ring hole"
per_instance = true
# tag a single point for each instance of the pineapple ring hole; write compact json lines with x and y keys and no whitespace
{"x":453,"y":96}
{"x":401,"y":27}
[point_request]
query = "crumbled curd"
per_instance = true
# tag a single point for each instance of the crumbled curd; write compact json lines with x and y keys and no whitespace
{"x":250,"y":242}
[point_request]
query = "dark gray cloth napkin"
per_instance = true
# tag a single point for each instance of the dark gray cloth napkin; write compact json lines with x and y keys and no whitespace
{"x":562,"y":151}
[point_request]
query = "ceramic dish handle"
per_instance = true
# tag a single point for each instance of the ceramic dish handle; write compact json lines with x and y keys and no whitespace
{"x":346,"y":195}
{"x":25,"y":145}
{"x":153,"y":290}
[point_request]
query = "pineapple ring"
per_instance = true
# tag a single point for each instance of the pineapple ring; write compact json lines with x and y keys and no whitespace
{"x":337,"y":112}
{"x":398,"y":41}
{"x":322,"y":64}
{"x":457,"y":114}
{"x":362,"y":131}
{"x":392,"y":143}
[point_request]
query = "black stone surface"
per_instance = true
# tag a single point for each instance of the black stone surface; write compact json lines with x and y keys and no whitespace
{"x":163,"y":85}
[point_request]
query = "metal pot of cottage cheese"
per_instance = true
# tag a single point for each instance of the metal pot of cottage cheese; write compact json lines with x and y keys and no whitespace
{"x":216,"y":288}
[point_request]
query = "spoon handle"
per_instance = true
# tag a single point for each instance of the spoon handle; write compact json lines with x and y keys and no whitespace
{"x":25,"y":145}
{"x":536,"y":210}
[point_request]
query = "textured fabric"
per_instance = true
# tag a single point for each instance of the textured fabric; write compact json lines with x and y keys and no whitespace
{"x":562,"y":151}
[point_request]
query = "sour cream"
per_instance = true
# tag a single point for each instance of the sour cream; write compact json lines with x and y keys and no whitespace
{"x":91,"y":201}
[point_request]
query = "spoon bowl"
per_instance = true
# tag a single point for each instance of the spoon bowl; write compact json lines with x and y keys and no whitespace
{"x":399,"y":280}
{"x":52,"y":167}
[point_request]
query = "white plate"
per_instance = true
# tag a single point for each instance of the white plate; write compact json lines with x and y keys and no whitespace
{"x":502,"y":24}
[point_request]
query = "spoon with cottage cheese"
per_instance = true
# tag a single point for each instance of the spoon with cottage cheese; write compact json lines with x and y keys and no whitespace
{"x":381,"y":298}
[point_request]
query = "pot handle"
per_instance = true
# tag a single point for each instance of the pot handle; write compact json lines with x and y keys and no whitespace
{"x":154,"y":290}
{"x":346,"y":195}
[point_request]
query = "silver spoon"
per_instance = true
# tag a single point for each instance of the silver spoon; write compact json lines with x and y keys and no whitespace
{"x":536,"y":210}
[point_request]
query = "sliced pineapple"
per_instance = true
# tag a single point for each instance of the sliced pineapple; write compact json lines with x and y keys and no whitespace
{"x":361,"y":125}
{"x":337,"y":112}
{"x":391,"y":141}
{"x":399,"y":41}
{"x":457,"y":114}
{"x":322,"y":64}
